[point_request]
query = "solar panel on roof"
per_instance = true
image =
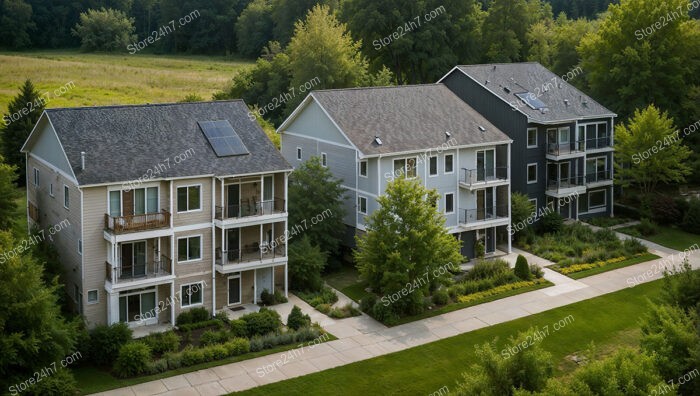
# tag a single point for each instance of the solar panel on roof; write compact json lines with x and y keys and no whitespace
{"x":531,"y":100}
{"x":223,"y":139}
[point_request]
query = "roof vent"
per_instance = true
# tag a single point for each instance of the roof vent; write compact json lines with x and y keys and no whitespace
{"x":494,"y":67}
{"x":378,"y":140}
{"x":448,"y":134}
{"x":482,"y":129}
{"x":544,"y":110}
{"x":487,"y":82}
{"x":506,"y":89}
{"x":566,"y":102}
{"x":82,"y":160}
{"x":560,"y":85}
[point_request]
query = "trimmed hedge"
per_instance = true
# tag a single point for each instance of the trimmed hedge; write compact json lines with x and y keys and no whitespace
{"x":499,"y":290}
{"x":200,"y":325}
{"x":134,"y":359}
{"x":191,"y":355}
{"x":193,"y":315}
{"x":262,"y":322}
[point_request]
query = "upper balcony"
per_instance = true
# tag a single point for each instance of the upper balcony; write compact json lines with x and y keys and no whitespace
{"x":565,"y":150}
{"x":137,"y":222}
{"x":489,"y":216}
{"x":139,"y":272}
{"x":248,"y":207}
{"x":600,"y":178}
{"x":252,"y":254}
{"x":250,"y":200}
{"x":483,"y":177}
{"x":600,"y":143}
{"x":566,"y":186}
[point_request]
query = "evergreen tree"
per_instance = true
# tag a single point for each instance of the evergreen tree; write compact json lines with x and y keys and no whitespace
{"x":8,"y":195}
{"x":28,"y":106}
{"x":16,"y":24}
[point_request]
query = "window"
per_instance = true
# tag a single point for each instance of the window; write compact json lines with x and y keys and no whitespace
{"x":324,"y":160}
{"x":189,"y":198}
{"x":146,"y":200}
{"x":362,"y":205}
{"x":115,"y":203}
{"x":66,"y":197}
{"x":533,"y":201}
{"x":299,"y":153}
{"x":596,"y":169}
{"x":564,"y":135}
{"x":405,"y":168}
{"x":93,"y":296}
{"x":449,"y":203}
{"x":531,"y":137}
{"x":51,"y":189}
{"x":36,"y":177}
{"x":531,"y":173}
{"x":191,"y":294}
{"x":189,"y":248}
{"x":80,"y":246}
{"x":433,"y":166}
{"x":363,"y":168}
{"x":597,"y":199}
{"x":449,"y":163}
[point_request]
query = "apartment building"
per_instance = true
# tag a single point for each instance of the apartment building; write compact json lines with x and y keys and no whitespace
{"x":171,"y":206}
{"x":562,"y":153}
{"x":369,"y":136}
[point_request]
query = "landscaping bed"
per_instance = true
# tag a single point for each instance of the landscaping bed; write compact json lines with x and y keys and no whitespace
{"x":323,"y":301}
{"x":577,"y":249}
{"x":606,"y":222}
{"x":670,"y":237}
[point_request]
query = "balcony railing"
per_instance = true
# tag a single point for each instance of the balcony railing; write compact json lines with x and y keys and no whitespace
{"x":471,"y":216}
{"x":140,"y":222}
{"x":250,"y":254}
{"x":473,"y":177}
{"x":597,"y":177}
{"x":134,"y":272}
{"x":598,"y":143}
{"x":566,"y":148}
{"x":248,"y":209}
{"x":564,"y":183}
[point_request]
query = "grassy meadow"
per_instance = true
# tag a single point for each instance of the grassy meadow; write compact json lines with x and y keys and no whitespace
{"x":108,"y":79}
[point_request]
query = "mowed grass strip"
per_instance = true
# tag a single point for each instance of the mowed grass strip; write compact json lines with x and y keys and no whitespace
{"x":111,"y":79}
{"x":609,"y":321}
{"x":670,"y":237}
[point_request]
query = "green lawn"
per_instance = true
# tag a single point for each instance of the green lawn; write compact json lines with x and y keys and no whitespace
{"x":107,"y":79}
{"x":347,"y":281}
{"x":92,"y":379}
{"x":670,"y":237}
{"x":609,"y":321}
{"x":621,"y":264}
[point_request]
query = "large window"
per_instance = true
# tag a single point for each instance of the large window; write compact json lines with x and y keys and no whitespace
{"x":405,"y":167}
{"x":596,"y":169}
{"x":597,"y":199}
{"x":135,"y":307}
{"x":531,"y":137}
{"x":192,"y":294}
{"x":531,"y":173}
{"x":189,"y":198}
{"x":189,"y":248}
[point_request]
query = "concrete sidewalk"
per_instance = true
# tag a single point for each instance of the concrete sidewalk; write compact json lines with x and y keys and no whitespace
{"x":363,"y":338}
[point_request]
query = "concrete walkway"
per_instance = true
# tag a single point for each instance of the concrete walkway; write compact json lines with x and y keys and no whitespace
{"x":363,"y":338}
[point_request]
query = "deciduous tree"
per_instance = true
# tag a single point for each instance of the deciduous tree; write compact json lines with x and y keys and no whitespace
{"x":105,"y":30}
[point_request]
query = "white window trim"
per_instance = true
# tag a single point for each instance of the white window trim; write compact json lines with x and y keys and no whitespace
{"x":66,"y":194}
{"x":527,"y":173}
{"x":405,"y":167}
{"x":324,"y":160}
{"x":37,"y":181}
{"x":444,"y":164}
{"x":535,"y":203}
{"x":96,"y":300}
{"x":453,"y":203}
{"x":299,"y":153}
{"x":189,"y":285}
{"x":559,"y":130}
{"x":528,"y":138}
{"x":437,"y":166}
{"x":201,"y":204}
{"x":359,"y":171}
{"x":201,"y":252}
{"x":359,"y":206}
{"x":601,"y":208}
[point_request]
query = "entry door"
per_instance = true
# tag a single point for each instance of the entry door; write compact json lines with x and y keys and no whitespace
{"x":485,"y":165}
{"x":234,"y":290}
{"x":490,"y":240}
{"x":233,"y":244}
{"x":134,"y":259}
{"x":234,"y":201}
{"x":264,"y":278}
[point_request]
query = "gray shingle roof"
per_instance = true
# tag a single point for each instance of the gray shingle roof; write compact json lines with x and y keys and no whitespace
{"x":123,"y":142}
{"x":533,"y":77}
{"x":406,"y":118}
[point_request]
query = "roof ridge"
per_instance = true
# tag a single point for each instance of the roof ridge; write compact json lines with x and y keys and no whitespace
{"x":380,"y":87}
{"x":120,"y":106}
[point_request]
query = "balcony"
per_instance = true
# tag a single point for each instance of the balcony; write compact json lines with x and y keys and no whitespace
{"x":245,"y":209}
{"x":599,"y":178}
{"x":566,"y":186}
{"x":121,"y":274}
{"x":250,"y":254}
{"x":566,"y":149}
{"x":483,"y":177}
{"x":137,"y":223}
{"x":478,"y":216}
{"x":598,"y":143}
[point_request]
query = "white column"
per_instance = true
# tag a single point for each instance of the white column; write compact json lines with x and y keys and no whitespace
{"x":172,"y":303}
{"x":255,"y":286}
{"x":112,"y":308}
{"x":286,"y":280}
{"x":213,"y":246}
{"x":510,"y":238}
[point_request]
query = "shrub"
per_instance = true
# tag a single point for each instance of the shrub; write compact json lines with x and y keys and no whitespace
{"x":633,"y":246}
{"x":192,"y":356}
{"x":522,"y":270}
{"x":61,"y":383}
{"x":237,"y":346}
{"x":256,"y":344}
{"x":384,"y":313}
{"x":157,"y":366}
{"x":134,"y":358}
{"x":368,"y":302}
{"x":218,"y":352}
{"x":646,"y":227}
{"x":487,"y":269}
{"x":185,"y":317}
{"x":479,"y":250}
{"x":440,"y":297}
{"x":345,"y":311}
{"x":239,"y":328}
{"x":161,"y":343}
{"x":324,"y":308}
{"x":174,"y":360}
{"x":297,"y":319}
{"x":200,"y":325}
{"x":211,"y":337}
{"x":267,"y":298}
{"x":263,"y":322}
{"x":106,"y":341}
{"x":691,"y":220}
{"x":536,"y":271}
{"x":664,"y":210}
{"x":551,"y":223}
{"x":324,"y":296}
{"x":199,"y":314}
{"x":279,"y":297}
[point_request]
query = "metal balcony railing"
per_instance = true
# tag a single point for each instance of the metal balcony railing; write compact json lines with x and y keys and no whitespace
{"x":601,"y":176}
{"x":566,"y":148}
{"x":250,"y":254}
{"x":598,"y":143}
{"x":137,"y":271}
{"x":246,"y":208}
{"x":473,"y":177}
{"x":471,"y":216}
{"x":564,"y":183}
